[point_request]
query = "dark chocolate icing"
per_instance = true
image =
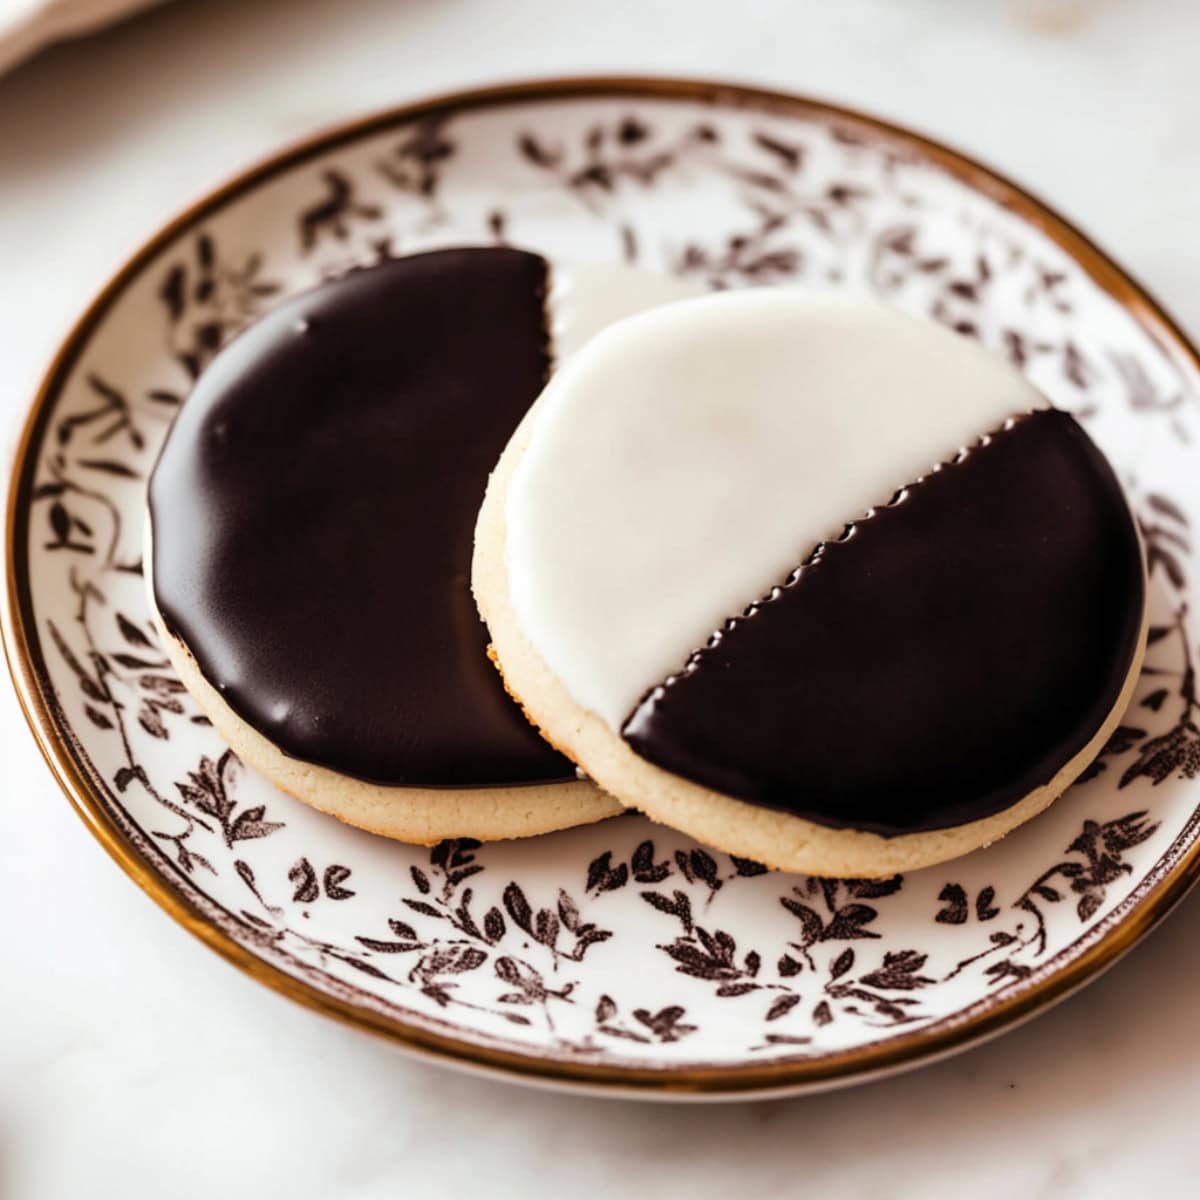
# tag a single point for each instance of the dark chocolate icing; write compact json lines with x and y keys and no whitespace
{"x":948,"y":657}
{"x":313,"y":512}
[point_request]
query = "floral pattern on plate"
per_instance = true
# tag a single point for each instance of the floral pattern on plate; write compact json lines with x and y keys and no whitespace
{"x":621,"y":944}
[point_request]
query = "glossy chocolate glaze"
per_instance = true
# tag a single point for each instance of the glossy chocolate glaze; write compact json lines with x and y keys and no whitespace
{"x":313,"y":511}
{"x":948,"y":657}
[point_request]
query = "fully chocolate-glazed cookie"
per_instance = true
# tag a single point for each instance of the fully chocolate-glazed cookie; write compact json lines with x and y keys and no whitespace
{"x":818,"y":583}
{"x":311,"y":519}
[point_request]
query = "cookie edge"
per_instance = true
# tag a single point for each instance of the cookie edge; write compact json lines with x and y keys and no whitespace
{"x":420,"y":816}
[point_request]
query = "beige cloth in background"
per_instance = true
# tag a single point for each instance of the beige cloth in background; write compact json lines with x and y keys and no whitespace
{"x":28,"y":25}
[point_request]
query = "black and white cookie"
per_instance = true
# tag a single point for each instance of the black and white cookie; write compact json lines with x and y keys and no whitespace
{"x":311,"y":520}
{"x":818,"y":583}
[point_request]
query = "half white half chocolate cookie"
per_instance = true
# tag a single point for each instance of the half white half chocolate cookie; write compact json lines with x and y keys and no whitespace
{"x":821,"y":584}
{"x":311,"y":520}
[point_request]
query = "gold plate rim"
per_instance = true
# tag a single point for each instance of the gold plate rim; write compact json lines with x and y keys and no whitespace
{"x":35,"y":693}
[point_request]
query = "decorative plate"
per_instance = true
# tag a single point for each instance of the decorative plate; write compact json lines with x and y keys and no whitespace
{"x":620,"y":957}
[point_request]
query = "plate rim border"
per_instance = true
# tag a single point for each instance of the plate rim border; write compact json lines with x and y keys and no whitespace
{"x":783,"y":1077}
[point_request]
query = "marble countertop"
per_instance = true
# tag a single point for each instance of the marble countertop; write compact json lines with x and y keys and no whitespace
{"x":133,"y":1062}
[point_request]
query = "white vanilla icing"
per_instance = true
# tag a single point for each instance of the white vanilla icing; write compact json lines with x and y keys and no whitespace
{"x":687,"y":459}
{"x":585,"y":298}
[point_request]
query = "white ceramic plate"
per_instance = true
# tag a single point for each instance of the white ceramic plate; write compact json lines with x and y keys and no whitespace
{"x":621,"y":956}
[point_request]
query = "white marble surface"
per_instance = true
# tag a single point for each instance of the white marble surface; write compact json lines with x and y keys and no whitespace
{"x":133,"y":1062}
